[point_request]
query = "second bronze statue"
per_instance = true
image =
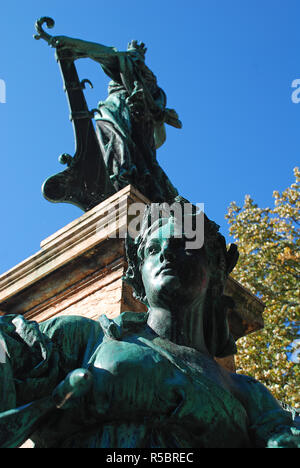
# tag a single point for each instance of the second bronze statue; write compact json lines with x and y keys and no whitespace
{"x":130,"y":126}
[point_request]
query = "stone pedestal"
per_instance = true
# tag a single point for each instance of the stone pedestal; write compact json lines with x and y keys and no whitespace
{"x":79,"y":269}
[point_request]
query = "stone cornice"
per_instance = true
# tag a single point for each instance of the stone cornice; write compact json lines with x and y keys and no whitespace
{"x":71,"y":241}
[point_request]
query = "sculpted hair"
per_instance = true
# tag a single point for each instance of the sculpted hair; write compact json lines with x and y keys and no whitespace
{"x":221,"y":262}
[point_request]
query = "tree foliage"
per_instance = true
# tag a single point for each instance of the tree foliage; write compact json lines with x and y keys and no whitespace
{"x":268,"y":241}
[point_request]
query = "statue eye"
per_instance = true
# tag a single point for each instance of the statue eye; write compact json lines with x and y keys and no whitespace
{"x":152,"y":249}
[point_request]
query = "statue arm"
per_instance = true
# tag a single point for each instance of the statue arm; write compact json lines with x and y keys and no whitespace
{"x":32,"y":371}
{"x":17,"y":425}
{"x":83,"y":49}
{"x":109,"y":58}
{"x":270,"y":425}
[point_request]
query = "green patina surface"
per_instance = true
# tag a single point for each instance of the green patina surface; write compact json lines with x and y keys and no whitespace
{"x":141,"y":380}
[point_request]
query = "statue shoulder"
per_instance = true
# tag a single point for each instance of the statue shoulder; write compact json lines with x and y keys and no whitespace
{"x":73,"y":326}
{"x":73,"y":336}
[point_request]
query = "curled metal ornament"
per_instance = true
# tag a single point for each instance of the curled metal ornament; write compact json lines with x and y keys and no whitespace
{"x":65,"y":158}
{"x":83,"y":82}
{"x":41,"y":33}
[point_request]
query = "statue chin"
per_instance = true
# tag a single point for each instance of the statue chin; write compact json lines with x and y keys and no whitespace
{"x":164,"y":292}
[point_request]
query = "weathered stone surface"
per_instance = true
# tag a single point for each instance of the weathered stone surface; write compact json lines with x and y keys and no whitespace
{"x":228,"y":363}
{"x":77,"y":271}
{"x":247,"y":314}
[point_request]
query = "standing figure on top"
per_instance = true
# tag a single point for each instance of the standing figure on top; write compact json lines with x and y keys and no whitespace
{"x":131,"y":121}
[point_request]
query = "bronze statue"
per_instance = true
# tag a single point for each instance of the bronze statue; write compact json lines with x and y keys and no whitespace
{"x":141,"y":380}
{"x":130,"y":125}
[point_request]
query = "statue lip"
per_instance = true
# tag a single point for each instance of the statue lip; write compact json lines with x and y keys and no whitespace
{"x":167,"y":268}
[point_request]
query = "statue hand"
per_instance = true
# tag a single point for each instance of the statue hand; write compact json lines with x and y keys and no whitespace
{"x":61,"y":42}
{"x":285,"y":440}
{"x":75,"y":385}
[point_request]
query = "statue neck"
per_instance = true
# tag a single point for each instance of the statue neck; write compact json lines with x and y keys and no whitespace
{"x":181,"y":324}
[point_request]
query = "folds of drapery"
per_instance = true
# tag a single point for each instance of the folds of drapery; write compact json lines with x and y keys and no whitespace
{"x":35,"y":358}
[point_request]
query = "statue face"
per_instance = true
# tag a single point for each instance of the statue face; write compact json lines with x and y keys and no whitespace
{"x":169,"y":271}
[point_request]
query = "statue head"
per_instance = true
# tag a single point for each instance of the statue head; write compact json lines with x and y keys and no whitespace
{"x":139,"y":50}
{"x":169,"y":270}
{"x":162,"y":272}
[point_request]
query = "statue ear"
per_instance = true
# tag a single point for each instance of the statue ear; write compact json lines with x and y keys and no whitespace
{"x":225,"y":342}
{"x":231,"y":257}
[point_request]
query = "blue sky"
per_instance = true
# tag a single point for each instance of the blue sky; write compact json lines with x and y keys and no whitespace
{"x":226,"y":65}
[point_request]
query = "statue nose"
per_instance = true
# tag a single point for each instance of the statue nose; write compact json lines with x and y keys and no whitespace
{"x":167,"y":252}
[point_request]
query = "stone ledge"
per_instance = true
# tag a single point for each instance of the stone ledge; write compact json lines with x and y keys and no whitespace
{"x":246,"y":317}
{"x":81,"y":235}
